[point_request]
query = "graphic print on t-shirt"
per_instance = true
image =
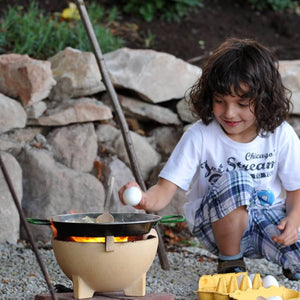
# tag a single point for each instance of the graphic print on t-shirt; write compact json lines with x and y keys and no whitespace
{"x":258,"y":165}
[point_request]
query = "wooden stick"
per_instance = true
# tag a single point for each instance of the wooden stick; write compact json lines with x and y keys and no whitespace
{"x":28,"y":232}
{"x":121,"y":118}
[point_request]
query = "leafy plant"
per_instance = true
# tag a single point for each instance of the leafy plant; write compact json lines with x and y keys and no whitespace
{"x":180,"y":8}
{"x":113,"y":15}
{"x":149,"y":39}
{"x":41,"y":36}
{"x":279,"y":5}
{"x":173,"y":10}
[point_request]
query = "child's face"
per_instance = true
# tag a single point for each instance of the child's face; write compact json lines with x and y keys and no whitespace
{"x":235,"y":115}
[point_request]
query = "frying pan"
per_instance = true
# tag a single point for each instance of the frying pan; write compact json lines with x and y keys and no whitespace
{"x":125,"y":224}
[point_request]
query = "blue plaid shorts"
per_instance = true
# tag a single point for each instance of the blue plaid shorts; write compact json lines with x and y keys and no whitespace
{"x":232,"y":190}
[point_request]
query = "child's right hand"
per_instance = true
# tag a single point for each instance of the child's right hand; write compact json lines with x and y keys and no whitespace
{"x":141,"y":204}
{"x":155,"y":198}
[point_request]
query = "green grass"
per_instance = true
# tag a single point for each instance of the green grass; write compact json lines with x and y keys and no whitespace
{"x":169,"y":10}
{"x":41,"y":36}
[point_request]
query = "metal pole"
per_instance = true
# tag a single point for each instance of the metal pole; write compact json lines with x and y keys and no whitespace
{"x":29,"y":235}
{"x":121,"y":118}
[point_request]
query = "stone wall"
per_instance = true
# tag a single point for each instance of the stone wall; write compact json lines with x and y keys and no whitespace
{"x":59,"y":139}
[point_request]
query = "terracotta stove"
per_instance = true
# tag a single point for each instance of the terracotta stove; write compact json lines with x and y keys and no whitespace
{"x":110,"y":265}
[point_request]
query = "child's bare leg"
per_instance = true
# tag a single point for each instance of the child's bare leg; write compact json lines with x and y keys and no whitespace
{"x":229,"y":230}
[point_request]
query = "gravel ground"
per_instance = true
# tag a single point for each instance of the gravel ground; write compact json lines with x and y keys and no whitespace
{"x":21,"y":277}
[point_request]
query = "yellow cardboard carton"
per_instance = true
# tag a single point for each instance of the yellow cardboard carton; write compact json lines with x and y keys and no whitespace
{"x":238,"y":286}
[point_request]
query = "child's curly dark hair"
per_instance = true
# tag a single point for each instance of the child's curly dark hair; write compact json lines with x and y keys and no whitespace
{"x":243,"y":61}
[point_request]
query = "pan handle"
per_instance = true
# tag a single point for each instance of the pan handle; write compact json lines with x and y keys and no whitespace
{"x":172,"y":219}
{"x":38,"y":221}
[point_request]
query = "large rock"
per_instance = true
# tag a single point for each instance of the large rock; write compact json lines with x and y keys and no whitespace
{"x":147,"y":156}
{"x":75,"y":146}
{"x":296,"y":103}
{"x":10,"y":146}
{"x":23,"y":135}
{"x":156,"y":76}
{"x":111,"y":138}
{"x":35,"y":110}
{"x":290,"y":73}
{"x":122,"y":174}
{"x":295,"y":123}
{"x":74,"y":111}
{"x":164,"y":139}
{"x":106,"y":135}
{"x":25,"y":78}
{"x":12,"y":114}
{"x":10,"y":220}
{"x":77,"y":74}
{"x":184,"y":112}
{"x":14,"y":140}
{"x":50,"y":188}
{"x":141,"y":110}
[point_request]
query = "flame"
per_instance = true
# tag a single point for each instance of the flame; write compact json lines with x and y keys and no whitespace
{"x":83,"y":239}
{"x":117,"y":239}
{"x":54,"y":230}
{"x":74,"y":211}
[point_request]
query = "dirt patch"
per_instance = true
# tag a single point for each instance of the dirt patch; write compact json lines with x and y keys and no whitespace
{"x":197,"y":35}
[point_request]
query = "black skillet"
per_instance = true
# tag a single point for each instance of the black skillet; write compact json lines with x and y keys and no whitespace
{"x":125,"y":224}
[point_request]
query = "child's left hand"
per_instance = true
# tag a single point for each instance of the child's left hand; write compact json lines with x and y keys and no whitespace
{"x":289,"y":236}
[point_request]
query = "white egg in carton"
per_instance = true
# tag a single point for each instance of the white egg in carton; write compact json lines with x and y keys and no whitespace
{"x":241,"y":286}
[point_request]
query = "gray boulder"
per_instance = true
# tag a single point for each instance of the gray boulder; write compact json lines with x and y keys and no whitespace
{"x":25,"y":78}
{"x":51,"y":188}
{"x":74,"y":111}
{"x":122,"y":174}
{"x":12,"y":114}
{"x":75,"y":146}
{"x":147,"y":156}
{"x":77,"y":74}
{"x":10,"y":220}
{"x":155,"y":76}
{"x":141,"y":110}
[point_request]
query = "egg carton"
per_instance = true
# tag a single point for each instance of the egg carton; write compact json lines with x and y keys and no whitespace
{"x":238,"y":286}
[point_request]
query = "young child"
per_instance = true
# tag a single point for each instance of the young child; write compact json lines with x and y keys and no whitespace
{"x":240,"y":162}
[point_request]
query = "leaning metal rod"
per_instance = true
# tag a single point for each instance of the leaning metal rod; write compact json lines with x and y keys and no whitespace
{"x":24,"y":223}
{"x":123,"y":124}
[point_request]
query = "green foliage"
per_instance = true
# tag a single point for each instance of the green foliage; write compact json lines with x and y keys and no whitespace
{"x":41,"y":36}
{"x":278,"y":5}
{"x":169,"y":10}
{"x":113,"y":15}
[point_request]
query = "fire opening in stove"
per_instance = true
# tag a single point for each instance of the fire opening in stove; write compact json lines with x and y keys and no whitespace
{"x":83,"y":239}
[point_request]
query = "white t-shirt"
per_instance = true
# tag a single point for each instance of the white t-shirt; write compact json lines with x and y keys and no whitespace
{"x":205,"y":152}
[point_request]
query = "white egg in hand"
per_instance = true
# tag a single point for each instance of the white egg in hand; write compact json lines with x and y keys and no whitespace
{"x":275,"y":298}
{"x":269,"y":280}
{"x":132,"y":196}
